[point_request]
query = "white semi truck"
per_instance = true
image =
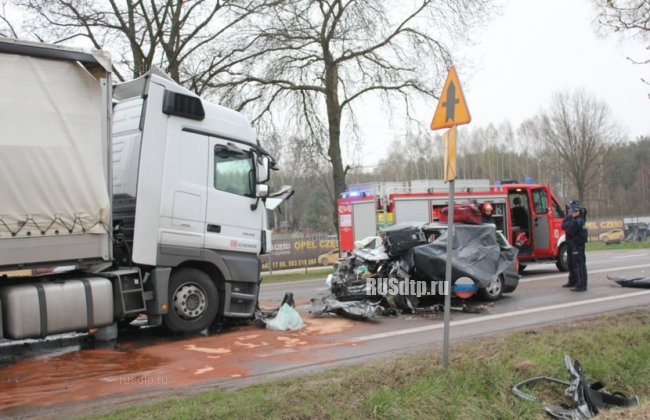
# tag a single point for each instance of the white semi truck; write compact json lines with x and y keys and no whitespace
{"x":154,"y":197}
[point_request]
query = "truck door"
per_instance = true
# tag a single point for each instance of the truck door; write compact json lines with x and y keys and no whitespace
{"x":230,"y":222}
{"x":541,"y":226}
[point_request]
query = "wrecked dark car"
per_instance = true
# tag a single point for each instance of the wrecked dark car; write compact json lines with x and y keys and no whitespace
{"x":480,"y":252}
{"x":381,"y":277}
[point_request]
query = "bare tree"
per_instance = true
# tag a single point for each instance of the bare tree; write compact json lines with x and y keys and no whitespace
{"x":580,"y":129}
{"x":7,"y":28}
{"x":630,"y":17}
{"x":195,"y":42}
{"x":323,"y":56}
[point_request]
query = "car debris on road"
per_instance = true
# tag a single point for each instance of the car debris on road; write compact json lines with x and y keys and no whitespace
{"x":284,"y":318}
{"x":639,"y":282}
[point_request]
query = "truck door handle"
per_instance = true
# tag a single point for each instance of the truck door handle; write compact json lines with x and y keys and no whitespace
{"x":214,"y":228}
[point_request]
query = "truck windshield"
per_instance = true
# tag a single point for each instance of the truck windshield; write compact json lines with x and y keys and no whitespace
{"x":233,"y":171}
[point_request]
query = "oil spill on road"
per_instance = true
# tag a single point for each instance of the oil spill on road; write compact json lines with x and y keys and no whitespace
{"x":172,"y":363}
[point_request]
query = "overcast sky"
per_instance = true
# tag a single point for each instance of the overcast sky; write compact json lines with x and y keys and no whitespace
{"x":535,"y":48}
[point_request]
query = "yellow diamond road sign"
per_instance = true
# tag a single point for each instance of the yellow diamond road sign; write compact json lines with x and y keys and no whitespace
{"x":452,"y":107}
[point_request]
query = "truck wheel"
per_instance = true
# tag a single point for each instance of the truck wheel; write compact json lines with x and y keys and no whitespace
{"x":562,"y":263}
{"x":493,"y":291}
{"x":193,"y":301}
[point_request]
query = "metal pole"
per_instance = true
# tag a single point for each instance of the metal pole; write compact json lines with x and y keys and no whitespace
{"x":450,"y":243}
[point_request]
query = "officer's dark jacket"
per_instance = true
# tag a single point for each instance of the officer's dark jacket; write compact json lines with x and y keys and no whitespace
{"x":576,"y":230}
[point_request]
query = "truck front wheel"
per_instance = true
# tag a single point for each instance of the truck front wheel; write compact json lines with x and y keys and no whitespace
{"x":193,"y":301}
{"x":562,"y":263}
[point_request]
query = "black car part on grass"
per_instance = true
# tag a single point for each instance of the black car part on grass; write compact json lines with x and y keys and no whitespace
{"x":640,"y":282}
{"x":589,"y":398}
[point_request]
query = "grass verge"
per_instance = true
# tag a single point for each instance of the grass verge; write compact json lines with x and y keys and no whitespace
{"x":613,"y":349}
{"x":312,"y":273}
{"x":601,"y":246}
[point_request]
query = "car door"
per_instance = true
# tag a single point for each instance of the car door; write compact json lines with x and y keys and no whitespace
{"x":231,"y":223}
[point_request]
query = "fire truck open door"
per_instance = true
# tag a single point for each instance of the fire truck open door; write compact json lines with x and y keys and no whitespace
{"x":540,"y":220}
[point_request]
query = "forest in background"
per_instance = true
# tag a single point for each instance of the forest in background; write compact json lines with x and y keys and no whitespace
{"x":621,"y":186}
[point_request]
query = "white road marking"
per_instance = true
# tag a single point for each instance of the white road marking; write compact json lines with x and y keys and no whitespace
{"x":602,"y":270}
{"x":629,"y":256}
{"x":495,"y":316}
{"x":441,"y":325}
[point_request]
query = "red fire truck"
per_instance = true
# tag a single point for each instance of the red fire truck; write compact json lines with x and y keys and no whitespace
{"x":527,"y":214}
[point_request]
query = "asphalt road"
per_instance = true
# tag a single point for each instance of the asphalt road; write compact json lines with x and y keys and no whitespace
{"x":247,"y":355}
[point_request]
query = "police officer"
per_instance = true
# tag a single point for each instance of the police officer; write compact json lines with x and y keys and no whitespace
{"x":569,"y":240}
{"x":575,"y":226}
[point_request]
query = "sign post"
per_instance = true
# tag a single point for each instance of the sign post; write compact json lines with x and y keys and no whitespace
{"x":450,"y":112}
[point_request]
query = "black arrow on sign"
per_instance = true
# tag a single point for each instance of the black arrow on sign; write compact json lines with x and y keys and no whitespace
{"x":451,"y":102}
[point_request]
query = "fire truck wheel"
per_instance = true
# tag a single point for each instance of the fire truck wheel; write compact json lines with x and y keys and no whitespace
{"x":562,"y":263}
{"x":493,"y":291}
{"x":193,"y":301}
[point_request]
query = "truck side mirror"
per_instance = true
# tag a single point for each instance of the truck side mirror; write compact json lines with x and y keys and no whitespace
{"x":263,"y":169}
{"x":261,"y":190}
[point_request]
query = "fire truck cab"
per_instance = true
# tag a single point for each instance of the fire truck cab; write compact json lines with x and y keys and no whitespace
{"x":527,"y":214}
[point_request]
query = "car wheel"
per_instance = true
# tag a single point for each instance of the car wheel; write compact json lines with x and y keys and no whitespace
{"x":323,"y":261}
{"x":562,"y":263}
{"x":493,"y":291}
{"x":193,"y":301}
{"x":522,"y":267}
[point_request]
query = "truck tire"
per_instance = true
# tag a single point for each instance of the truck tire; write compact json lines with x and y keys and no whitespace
{"x":562,"y":263}
{"x":493,"y":291}
{"x":193,"y":301}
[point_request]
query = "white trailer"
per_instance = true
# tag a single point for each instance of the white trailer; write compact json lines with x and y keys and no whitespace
{"x":153,"y":196}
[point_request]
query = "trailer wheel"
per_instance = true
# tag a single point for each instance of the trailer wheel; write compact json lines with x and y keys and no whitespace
{"x":193,"y":301}
{"x":493,"y":291}
{"x":562,"y":263}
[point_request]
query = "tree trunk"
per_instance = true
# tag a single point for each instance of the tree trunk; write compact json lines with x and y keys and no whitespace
{"x":334,"y":122}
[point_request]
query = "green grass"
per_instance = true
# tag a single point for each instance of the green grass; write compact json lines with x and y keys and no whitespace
{"x":312,"y":273}
{"x":601,"y":246}
{"x":613,"y":349}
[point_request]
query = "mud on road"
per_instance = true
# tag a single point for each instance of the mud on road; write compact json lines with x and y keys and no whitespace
{"x":139,"y":365}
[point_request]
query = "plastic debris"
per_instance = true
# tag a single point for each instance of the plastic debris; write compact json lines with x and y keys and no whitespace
{"x":287,"y":319}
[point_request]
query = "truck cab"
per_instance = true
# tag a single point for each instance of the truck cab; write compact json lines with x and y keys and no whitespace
{"x":188,"y":177}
